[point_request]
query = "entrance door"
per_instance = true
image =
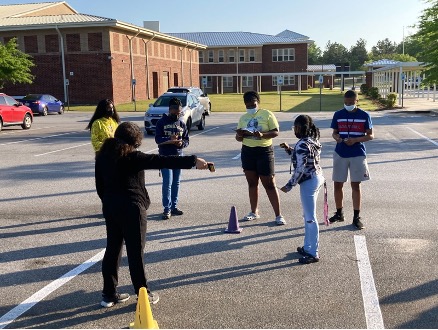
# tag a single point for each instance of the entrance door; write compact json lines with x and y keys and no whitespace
{"x":165,"y":81}
{"x":155,"y":85}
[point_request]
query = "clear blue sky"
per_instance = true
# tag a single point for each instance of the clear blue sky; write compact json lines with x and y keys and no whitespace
{"x":338,"y":21}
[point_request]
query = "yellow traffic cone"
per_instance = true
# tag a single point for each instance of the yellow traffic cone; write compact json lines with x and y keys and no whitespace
{"x":143,"y":314}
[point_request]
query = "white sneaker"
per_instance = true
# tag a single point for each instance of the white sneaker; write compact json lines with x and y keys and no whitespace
{"x":280,"y":220}
{"x":251,"y":216}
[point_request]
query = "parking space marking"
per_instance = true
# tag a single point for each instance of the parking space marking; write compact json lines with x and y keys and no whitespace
{"x":373,"y":314}
{"x":38,"y":138}
{"x":51,"y":152}
{"x":27,"y":304}
{"x":424,"y":137}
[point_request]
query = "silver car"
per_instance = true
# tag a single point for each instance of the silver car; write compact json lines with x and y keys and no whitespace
{"x":203,"y":97}
{"x":192,"y":109}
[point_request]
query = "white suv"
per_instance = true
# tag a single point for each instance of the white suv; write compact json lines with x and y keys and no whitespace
{"x":203,"y":97}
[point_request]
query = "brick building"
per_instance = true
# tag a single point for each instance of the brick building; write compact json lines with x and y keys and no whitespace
{"x":85,"y":58}
{"x":241,"y":61}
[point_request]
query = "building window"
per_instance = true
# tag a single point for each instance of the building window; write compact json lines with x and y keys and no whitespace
{"x":221,"y":56}
{"x":30,"y":44}
{"x":209,"y":81}
{"x":201,"y":56}
{"x":251,"y":53}
{"x":95,"y":41}
{"x":210,"y":56}
{"x":283,"y":55}
{"x":231,"y":55}
{"x":227,"y":81}
{"x":288,"y":80}
{"x":247,"y":81}
{"x":241,"y":55}
{"x":52,"y":43}
{"x":73,"y":42}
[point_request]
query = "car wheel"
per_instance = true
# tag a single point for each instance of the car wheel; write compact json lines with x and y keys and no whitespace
{"x":201,"y":124}
{"x":189,"y":124}
{"x":27,"y":121}
{"x":61,"y":110}
{"x":1,"y":125}
{"x":44,"y":113}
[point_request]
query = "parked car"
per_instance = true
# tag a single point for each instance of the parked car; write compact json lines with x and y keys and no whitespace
{"x":42,"y":104}
{"x":192,"y":109}
{"x":14,"y":113}
{"x":203,"y":97}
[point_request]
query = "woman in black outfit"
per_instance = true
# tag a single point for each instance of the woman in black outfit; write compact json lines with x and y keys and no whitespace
{"x":120,"y":184}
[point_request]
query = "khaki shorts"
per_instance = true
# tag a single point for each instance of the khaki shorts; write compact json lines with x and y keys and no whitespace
{"x":357,"y":166}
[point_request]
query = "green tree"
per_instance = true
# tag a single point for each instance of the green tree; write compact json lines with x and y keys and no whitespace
{"x":383,"y":47}
{"x":14,"y":65}
{"x":314,"y":54}
{"x":358,"y":55}
{"x":411,"y":47}
{"x":427,"y":35}
{"x":335,"y":53}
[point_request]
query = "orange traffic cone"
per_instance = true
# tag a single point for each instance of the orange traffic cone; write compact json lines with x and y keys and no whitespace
{"x":143,"y":314}
{"x":233,"y":223}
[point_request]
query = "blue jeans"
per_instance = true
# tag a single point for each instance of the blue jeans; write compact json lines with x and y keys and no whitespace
{"x":309,"y":190}
{"x":170,"y":188}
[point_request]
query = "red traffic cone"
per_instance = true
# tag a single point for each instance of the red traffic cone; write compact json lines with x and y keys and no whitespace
{"x":233,"y":223}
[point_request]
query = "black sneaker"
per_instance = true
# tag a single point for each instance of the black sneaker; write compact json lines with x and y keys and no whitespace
{"x":357,"y":223}
{"x":165,"y":216}
{"x":176,"y":211}
{"x":308,"y":259}
{"x":337,"y":218}
{"x":109,"y":301}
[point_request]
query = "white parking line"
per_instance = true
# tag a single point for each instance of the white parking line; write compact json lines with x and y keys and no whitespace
{"x":373,"y":314}
{"x":17,"y":311}
{"x":38,"y":138}
{"x":51,"y":152}
{"x":424,"y":137}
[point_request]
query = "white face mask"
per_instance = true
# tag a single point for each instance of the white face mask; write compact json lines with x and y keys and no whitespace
{"x":251,"y":111}
{"x":350,"y":107}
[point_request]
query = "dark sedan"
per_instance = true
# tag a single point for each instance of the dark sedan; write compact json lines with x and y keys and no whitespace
{"x":43,"y":104}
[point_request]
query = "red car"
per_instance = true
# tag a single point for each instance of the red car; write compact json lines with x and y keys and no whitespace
{"x":14,"y":113}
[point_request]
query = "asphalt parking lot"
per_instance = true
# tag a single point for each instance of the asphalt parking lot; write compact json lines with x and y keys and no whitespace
{"x":52,"y":235}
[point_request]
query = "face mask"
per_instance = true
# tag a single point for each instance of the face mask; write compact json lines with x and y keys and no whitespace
{"x":251,"y":111}
{"x":349,"y":107}
{"x":109,"y":112}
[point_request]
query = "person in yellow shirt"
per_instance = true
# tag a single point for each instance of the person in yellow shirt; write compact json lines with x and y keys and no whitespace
{"x":256,"y":129}
{"x":103,"y":124}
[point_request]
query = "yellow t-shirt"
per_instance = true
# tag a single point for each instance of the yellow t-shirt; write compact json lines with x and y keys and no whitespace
{"x":262,"y":121}
{"x":102,"y":129}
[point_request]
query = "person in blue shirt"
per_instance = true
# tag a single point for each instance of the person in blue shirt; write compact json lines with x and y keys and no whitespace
{"x":351,"y":128}
{"x":172,"y":137}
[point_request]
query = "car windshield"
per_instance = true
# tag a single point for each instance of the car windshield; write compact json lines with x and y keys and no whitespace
{"x":178,"y":90}
{"x":163,"y":101}
{"x":32,"y":97}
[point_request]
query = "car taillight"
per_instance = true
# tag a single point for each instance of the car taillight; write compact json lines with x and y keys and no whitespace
{"x":37,"y":102}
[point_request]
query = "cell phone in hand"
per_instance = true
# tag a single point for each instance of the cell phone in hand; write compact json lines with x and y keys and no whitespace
{"x":283,"y":145}
{"x":211,"y":167}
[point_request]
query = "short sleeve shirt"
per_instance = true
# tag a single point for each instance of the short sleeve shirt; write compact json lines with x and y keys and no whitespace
{"x":262,"y":121}
{"x":351,"y":124}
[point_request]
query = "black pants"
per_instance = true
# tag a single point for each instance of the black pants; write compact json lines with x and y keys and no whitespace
{"x":124,"y":221}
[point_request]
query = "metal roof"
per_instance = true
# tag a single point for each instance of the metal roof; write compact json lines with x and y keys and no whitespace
{"x":52,"y":19}
{"x":291,"y":35}
{"x":216,"y":39}
{"x":382,"y":62}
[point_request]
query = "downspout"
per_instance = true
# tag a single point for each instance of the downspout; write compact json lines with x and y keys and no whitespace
{"x":131,"y":60}
{"x":237,"y":70}
{"x":191,"y":73}
{"x":147,"y":66}
{"x":63,"y":65}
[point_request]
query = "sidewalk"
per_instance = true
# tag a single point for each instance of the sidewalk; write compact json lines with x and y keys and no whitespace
{"x":419,"y":104}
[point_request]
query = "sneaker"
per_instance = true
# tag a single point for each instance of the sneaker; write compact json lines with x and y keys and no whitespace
{"x":109,"y":301}
{"x":357,"y":223}
{"x":165,"y":216}
{"x":280,"y":220}
{"x":337,"y":218}
{"x":176,"y":211}
{"x":301,"y":251}
{"x":251,"y":216}
{"x":153,"y":297}
{"x":308,"y":259}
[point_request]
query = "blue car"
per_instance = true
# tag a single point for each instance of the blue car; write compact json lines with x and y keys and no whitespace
{"x":43,"y":104}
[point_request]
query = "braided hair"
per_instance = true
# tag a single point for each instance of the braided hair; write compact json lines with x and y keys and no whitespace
{"x":127,"y":137}
{"x":306,"y":127}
